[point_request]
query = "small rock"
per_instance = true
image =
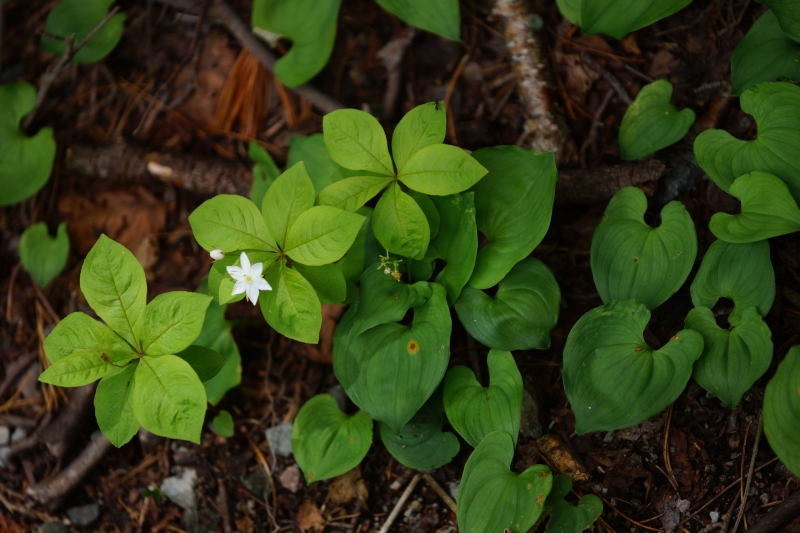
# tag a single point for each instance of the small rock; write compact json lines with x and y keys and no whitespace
{"x":764,"y":498}
{"x":290,"y":478}
{"x":609,"y":437}
{"x":342,"y":400}
{"x":185,"y":453}
{"x":5,"y":435}
{"x":257,"y":483}
{"x":714,"y":515}
{"x":413,"y":509}
{"x":19,"y":433}
{"x":180,"y":489}
{"x":453,"y":488}
{"x":53,"y":527}
{"x":84,"y":515}
{"x":280,"y":439}
{"x":752,"y":491}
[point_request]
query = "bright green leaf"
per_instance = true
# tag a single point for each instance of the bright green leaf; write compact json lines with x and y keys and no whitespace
{"x":311,"y":150}
{"x":456,"y":242}
{"x":352,"y":193}
{"x":425,"y":203}
{"x":620,"y":17}
{"x":83,"y":368}
{"x":440,"y":17}
{"x":353,"y":263}
{"x":291,"y":195}
{"x":782,"y":411}
{"x":292,"y":307}
{"x":169,"y":400}
{"x":326,"y":442}
{"x":265,"y":172}
{"x":652,"y":123}
{"x":521,"y":314}
{"x":322,"y":235}
{"x":788,"y":15}
{"x":204,"y":361}
{"x":113,"y":406}
{"x":80,"y":333}
{"x":513,"y":205}
{"x":223,"y":424}
{"x":568,"y":518}
{"x":230,"y":223}
{"x":631,"y":259}
{"x":423,"y":126}
{"x":612,"y":378}
{"x":357,"y":141}
{"x":400,"y":224}
{"x":42,"y":256}
{"x":25,"y":162}
{"x":441,"y":169}
{"x":216,"y":334}
{"x":81,"y":17}
{"x":733,"y":359}
{"x":740,"y":272}
{"x":475,"y":411}
{"x":172,"y":321}
{"x":327,"y":280}
{"x":491,"y":498}
{"x":113,"y":282}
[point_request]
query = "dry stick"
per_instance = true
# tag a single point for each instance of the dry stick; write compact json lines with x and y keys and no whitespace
{"x":667,"y":462}
{"x":784,"y":513}
{"x":749,"y":473}
{"x":610,"y":78}
{"x":223,"y":507}
{"x":440,"y":491}
{"x":399,"y":505}
{"x":15,"y":369}
{"x":392,"y":55}
{"x":591,"y":139}
{"x":52,"y":74}
{"x":451,"y":85}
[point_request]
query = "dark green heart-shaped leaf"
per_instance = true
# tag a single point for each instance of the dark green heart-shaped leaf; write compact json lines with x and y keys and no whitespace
{"x":475,"y":411}
{"x":42,"y":256}
{"x":788,"y":15}
{"x":456,"y":243}
{"x":521,"y":314}
{"x":441,"y":17}
{"x":291,"y":195}
{"x":513,"y":205}
{"x":400,"y":224}
{"x":740,"y":272}
{"x":25,"y":162}
{"x":568,"y":518}
{"x":265,"y":172}
{"x":620,"y":17}
{"x":631,"y":259}
{"x":309,"y":24}
{"x":782,"y":411}
{"x":652,"y":123}
{"x":423,"y":126}
{"x":733,"y":359}
{"x":223,"y":424}
{"x":765,"y":54}
{"x":322,"y":235}
{"x":311,"y":150}
{"x":776,"y":108}
{"x":394,"y":361}
{"x":292,"y":307}
{"x":206,"y":362}
{"x":768,"y":210}
{"x":357,"y":141}
{"x":327,"y":280}
{"x":491,"y":498}
{"x":612,"y":378}
{"x":81,"y":17}
{"x":113,"y":406}
{"x":231,"y":223}
{"x":425,"y":203}
{"x":422,"y":444}
{"x":326,"y":442}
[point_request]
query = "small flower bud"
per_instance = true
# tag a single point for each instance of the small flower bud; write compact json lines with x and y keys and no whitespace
{"x":387,"y":270}
{"x":396,"y":275}
{"x":217,"y":254}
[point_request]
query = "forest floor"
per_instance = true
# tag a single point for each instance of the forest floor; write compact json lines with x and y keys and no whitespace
{"x":160,"y":91}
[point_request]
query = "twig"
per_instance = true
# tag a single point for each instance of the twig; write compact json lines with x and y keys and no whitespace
{"x":223,"y":506}
{"x":749,"y":473}
{"x":52,"y":74}
{"x":624,"y":516}
{"x":58,"y":435}
{"x":667,"y":462}
{"x":610,"y":78}
{"x":440,"y":491}
{"x":10,"y":295}
{"x":589,"y":186}
{"x":45,"y":302}
{"x":392,"y":55}
{"x":14,"y":370}
{"x":400,"y":503}
{"x":784,"y":513}
{"x":451,"y":85}
{"x":591,"y":139}
{"x":24,"y":510}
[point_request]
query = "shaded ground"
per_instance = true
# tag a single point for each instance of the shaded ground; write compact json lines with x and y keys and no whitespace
{"x":161,"y":89}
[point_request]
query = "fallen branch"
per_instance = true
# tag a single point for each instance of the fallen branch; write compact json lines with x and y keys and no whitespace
{"x":779,"y":516}
{"x":58,"y":435}
{"x":563,"y":460}
{"x":400,"y":503}
{"x":545,"y":126}
{"x":589,"y":186}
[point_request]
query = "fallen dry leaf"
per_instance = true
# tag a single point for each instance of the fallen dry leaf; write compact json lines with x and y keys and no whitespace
{"x":309,"y":517}
{"x":348,"y":486}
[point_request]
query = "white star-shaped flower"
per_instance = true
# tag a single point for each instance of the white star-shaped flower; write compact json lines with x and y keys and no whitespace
{"x":248,"y":279}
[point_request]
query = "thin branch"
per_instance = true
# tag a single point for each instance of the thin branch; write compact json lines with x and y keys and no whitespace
{"x":609,"y":77}
{"x":400,"y":503}
{"x":749,"y":473}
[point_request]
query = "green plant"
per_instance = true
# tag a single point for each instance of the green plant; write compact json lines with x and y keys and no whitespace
{"x":80,"y":17}
{"x":789,"y":18}
{"x":42,"y":256}
{"x":782,"y":411}
{"x":150,"y":373}
{"x":311,"y":26}
{"x":617,"y":18}
{"x":223,"y":424}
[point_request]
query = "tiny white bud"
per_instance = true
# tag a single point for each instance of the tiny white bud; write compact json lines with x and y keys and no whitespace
{"x":387,"y":270}
{"x":217,"y":254}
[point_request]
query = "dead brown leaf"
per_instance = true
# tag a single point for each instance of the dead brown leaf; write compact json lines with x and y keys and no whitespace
{"x":578,"y":78}
{"x":322,"y":353}
{"x":348,"y":486}
{"x":309,"y":518}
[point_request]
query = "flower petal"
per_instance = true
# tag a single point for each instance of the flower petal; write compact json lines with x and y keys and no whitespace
{"x":245,"y":262}
{"x":255,"y":269}
{"x":236,"y":272}
{"x":252,"y":293}
{"x":262,"y":285}
{"x":240,"y":287}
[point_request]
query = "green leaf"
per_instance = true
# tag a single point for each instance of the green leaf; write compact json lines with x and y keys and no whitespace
{"x":79,"y":333}
{"x":441,"y":17}
{"x":782,"y":411}
{"x":291,"y":195}
{"x":169,"y":400}
{"x":83,"y":368}
{"x":327,"y":281}
{"x":513,"y":206}
{"x":740,"y":272}
{"x":25,"y":162}
{"x":113,"y":282}
{"x":423,"y":126}
{"x":568,"y":518}
{"x":309,"y":24}
{"x":221,"y":284}
{"x":441,"y":169}
{"x":456,"y":242}
{"x":733,"y":359}
{"x":353,"y":263}
{"x":475,"y":411}
{"x":765,"y":54}
{"x":631,"y":259}
{"x":776,"y":108}
{"x":612,"y":378}
{"x":223,"y":424}
{"x":326,"y":442}
{"x":786,"y":11}
{"x":492,"y":498}
{"x":265,"y":172}
{"x":521,"y":314}
{"x":42,"y":256}
{"x":204,"y":361}
{"x":292,"y":307}
{"x":231,"y":223}
{"x":172,"y":321}
{"x":422,"y":444}
{"x":356,"y":141}
{"x":81,"y":17}
{"x":620,"y":17}
{"x":400,"y":224}
{"x":768,"y":210}
{"x":322,"y":235}
{"x":570,"y":10}
{"x":311,"y":150}
{"x":425,"y":203}
{"x":394,"y":361}
{"x":352,"y":193}
{"x":385,"y":300}
{"x":216,"y":334}
{"x":113,"y":406}
{"x":652,"y":123}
